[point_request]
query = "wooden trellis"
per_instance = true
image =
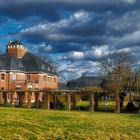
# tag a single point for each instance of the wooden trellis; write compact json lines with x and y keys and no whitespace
{"x":47,"y":94}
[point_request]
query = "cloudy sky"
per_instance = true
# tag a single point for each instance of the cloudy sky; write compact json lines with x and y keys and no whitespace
{"x":77,"y":34}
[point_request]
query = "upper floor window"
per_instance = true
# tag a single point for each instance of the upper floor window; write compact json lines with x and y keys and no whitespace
{"x":28,"y":77}
{"x":55,"y":80}
{"x":14,"y":77}
{"x":45,"y":77}
{"x":2,"y":76}
{"x":50,"y":79}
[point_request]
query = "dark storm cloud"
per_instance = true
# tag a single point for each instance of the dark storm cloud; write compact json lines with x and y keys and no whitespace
{"x":3,"y":20}
{"x":53,"y":10}
{"x":20,"y":9}
{"x":93,"y":27}
{"x":103,"y":26}
{"x":81,"y":31}
{"x":62,"y":48}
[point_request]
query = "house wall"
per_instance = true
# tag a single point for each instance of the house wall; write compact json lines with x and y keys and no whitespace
{"x":24,"y":81}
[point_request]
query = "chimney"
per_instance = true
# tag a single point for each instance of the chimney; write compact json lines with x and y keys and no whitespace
{"x":16,"y":48}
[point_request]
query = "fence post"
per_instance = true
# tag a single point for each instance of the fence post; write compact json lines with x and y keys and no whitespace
{"x":92,"y":102}
{"x":74,"y":100}
{"x":54,"y":100}
{"x":12,"y":98}
{"x":69,"y":101}
{"x":29,"y":99}
{"x":117,"y":103}
{"x":37,"y":99}
{"x":48,"y":100}
{"x":0,"y":98}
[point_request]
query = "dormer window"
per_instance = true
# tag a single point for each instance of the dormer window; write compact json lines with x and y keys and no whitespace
{"x":43,"y":67}
{"x":52,"y":69}
{"x":1,"y":64}
{"x":49,"y":68}
{"x":20,"y":65}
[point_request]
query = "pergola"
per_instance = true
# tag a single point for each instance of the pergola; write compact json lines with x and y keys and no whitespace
{"x":70,"y":94}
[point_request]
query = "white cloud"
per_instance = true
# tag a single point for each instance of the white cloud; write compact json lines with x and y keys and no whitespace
{"x":130,"y":1}
{"x":51,"y":30}
{"x":96,"y":52}
{"x":130,"y":39}
{"x":48,"y":48}
{"x":100,"y":51}
{"x":81,"y":16}
{"x":75,"y":69}
{"x":74,"y":55}
{"x":125,"y":50}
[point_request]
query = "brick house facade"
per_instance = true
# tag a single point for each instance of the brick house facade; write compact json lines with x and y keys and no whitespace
{"x":20,"y":69}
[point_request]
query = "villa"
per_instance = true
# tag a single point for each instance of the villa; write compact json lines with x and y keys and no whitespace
{"x":22,"y":70}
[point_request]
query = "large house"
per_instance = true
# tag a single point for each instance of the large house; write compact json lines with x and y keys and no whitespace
{"x":20,"y":69}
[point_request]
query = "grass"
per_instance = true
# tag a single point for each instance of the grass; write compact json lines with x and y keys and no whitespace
{"x":103,"y":105}
{"x":83,"y":103}
{"x":24,"y":124}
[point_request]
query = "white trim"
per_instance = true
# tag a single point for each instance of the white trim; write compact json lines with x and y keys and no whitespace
{"x":21,"y":73}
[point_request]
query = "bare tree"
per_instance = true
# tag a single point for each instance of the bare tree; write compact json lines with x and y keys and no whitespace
{"x":46,"y":58}
{"x":121,"y":67}
{"x":84,"y":74}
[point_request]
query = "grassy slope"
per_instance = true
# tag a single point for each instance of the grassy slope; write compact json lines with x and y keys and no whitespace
{"x":43,"y":124}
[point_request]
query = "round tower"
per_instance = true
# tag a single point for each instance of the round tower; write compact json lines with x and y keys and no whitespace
{"x":16,"y":48}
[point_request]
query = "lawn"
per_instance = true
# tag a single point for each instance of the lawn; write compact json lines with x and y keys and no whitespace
{"x":24,"y":124}
{"x":109,"y":106}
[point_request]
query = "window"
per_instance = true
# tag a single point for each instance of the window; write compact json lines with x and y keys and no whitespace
{"x":43,"y":67}
{"x":49,"y":68}
{"x":50,"y":79}
{"x":28,"y":77}
{"x":53,"y":70}
{"x":20,"y":65}
{"x":2,"y":77}
{"x":36,"y":81}
{"x":1,"y":64}
{"x":14,"y":77}
{"x":55,"y":80}
{"x":45,"y":78}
